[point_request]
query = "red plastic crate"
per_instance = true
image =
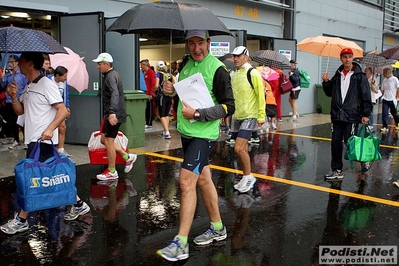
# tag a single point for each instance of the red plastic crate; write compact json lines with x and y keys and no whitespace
{"x":99,"y":156}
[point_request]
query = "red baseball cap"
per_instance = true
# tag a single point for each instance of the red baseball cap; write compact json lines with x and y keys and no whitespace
{"x":346,"y":51}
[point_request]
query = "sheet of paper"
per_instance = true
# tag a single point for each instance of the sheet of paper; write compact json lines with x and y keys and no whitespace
{"x":194,"y":92}
{"x":378,"y":94}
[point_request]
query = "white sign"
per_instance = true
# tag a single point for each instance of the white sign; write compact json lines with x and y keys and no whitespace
{"x":287,"y":53}
{"x":219,"y":48}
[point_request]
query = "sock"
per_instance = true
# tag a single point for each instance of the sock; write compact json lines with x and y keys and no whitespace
{"x":112,"y":170}
{"x":22,"y":220}
{"x":60,"y":149}
{"x":183,"y":239}
{"x":217,"y":225}
{"x":167,"y":132}
{"x":79,"y":203}
{"x":125,"y":156}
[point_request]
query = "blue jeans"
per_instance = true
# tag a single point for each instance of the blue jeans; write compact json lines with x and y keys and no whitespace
{"x":371,"y":117}
{"x":388,"y":105}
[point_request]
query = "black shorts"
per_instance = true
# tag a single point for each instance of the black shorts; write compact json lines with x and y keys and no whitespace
{"x":295,"y":94}
{"x":196,"y":153}
{"x":109,"y":130}
{"x":164,"y":104}
{"x":271,"y":110}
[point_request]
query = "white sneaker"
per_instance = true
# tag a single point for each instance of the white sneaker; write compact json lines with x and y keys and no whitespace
{"x":107,"y":175}
{"x":129,"y":162}
{"x":14,"y":145}
{"x":168,"y":136}
{"x":245,"y":184}
{"x":274,"y":127}
{"x":64,"y":152}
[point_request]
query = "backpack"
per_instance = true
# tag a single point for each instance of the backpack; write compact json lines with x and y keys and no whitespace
{"x":162,"y":78}
{"x":249,"y":76}
{"x":304,"y":79}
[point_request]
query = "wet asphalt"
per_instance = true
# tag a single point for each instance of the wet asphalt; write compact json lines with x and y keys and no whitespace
{"x":290,"y":212}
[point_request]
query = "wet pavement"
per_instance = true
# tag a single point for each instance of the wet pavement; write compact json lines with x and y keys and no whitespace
{"x":291,"y":211}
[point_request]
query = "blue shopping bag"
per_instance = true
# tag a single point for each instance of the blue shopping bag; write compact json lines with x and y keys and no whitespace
{"x":45,"y":185}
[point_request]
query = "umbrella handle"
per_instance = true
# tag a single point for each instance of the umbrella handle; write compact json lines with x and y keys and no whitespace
{"x":328,"y":60}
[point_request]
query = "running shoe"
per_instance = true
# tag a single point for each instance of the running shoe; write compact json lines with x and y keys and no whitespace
{"x":74,"y":212}
{"x":336,"y":174}
{"x":245,"y":184}
{"x":174,"y":251}
{"x":107,"y":175}
{"x":129,"y":163}
{"x":14,"y":226}
{"x":211,"y":235}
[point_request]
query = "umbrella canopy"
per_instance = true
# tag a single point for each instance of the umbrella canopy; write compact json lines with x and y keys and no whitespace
{"x":396,"y":65}
{"x":391,"y":53}
{"x":78,"y":77}
{"x":271,"y":58}
{"x":376,"y":60}
{"x":18,"y":40}
{"x":328,"y":46}
{"x":178,"y":17}
{"x":269,"y":74}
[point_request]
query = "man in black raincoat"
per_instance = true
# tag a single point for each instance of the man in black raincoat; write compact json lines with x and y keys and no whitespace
{"x":350,"y":105}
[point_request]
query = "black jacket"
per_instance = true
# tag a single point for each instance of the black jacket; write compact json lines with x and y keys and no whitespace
{"x":113,"y":97}
{"x":357,"y":103}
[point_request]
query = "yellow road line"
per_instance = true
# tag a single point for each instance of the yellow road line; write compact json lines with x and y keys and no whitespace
{"x":321,"y":138}
{"x":282,"y":180}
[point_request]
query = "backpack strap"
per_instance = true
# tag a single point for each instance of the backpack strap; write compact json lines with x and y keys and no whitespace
{"x":249,"y":76}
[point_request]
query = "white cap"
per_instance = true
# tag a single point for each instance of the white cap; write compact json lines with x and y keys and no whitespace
{"x":161,"y":64}
{"x":197,"y":33}
{"x":239,"y":50}
{"x":104,"y":57}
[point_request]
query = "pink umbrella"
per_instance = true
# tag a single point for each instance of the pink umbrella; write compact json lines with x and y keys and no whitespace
{"x":268,"y":73}
{"x":78,"y":77}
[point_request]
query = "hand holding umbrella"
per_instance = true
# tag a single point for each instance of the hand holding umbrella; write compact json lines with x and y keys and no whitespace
{"x":325,"y":77}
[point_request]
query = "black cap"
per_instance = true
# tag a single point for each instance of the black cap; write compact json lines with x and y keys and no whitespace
{"x":292,"y":61}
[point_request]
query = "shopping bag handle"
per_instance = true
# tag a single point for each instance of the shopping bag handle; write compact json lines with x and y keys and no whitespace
{"x":35,"y":154}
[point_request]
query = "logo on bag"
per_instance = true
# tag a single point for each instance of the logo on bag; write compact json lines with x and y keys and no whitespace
{"x":49,"y":181}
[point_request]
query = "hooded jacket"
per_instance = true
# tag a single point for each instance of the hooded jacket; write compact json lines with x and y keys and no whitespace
{"x":357,"y":103}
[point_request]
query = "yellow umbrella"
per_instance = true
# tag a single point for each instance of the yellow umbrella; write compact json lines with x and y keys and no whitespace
{"x":328,"y":46}
{"x":396,"y":65}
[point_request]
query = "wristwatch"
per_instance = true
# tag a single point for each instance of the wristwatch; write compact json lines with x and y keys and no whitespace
{"x":197,"y":115}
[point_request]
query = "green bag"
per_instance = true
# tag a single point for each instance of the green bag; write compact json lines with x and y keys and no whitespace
{"x":363,"y":148}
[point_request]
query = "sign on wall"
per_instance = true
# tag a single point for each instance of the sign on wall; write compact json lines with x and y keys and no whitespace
{"x":218,"y":49}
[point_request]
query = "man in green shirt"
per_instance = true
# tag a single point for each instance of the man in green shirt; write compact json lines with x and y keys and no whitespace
{"x":198,"y":140}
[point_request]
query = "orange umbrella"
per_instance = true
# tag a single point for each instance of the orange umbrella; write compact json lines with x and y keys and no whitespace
{"x":328,"y":46}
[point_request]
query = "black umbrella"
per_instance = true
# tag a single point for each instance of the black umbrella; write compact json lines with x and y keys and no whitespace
{"x":271,"y":58}
{"x":157,"y":17}
{"x":18,"y":40}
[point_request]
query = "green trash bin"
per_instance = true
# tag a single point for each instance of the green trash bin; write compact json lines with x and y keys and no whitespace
{"x":323,"y":102}
{"x":133,"y":128}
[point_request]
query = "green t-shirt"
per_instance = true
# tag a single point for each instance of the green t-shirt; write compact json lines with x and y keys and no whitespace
{"x":198,"y":129}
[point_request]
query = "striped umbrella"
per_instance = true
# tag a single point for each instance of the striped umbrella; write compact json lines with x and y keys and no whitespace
{"x":271,"y":58}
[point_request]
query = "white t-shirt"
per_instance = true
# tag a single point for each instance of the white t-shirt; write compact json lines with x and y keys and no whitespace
{"x":38,"y":99}
{"x":389,"y":88}
{"x":62,"y":87}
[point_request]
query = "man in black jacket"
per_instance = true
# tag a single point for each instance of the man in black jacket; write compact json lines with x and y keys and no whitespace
{"x":114,"y":114}
{"x":350,"y":105}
